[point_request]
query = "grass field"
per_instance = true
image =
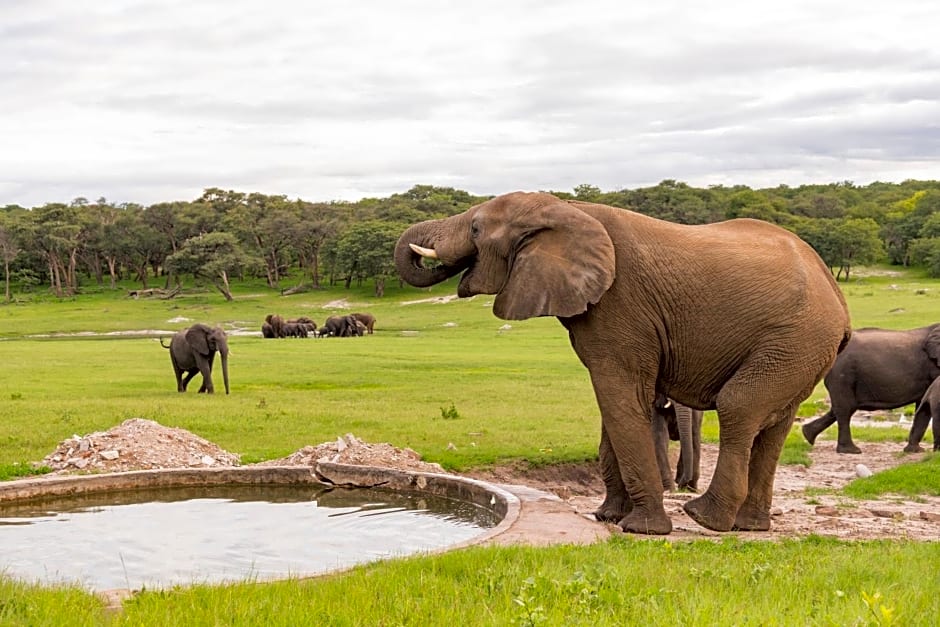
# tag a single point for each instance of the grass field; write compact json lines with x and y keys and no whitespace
{"x":448,"y":380}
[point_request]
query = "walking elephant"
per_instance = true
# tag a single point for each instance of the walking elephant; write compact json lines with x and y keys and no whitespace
{"x":630,"y":290}
{"x":879,"y":369}
{"x":927,"y":411}
{"x":193,"y":350}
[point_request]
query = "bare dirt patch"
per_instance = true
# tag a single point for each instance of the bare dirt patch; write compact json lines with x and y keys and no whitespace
{"x":557,"y":501}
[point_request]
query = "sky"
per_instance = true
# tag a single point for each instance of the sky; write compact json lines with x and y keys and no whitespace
{"x":146,"y":101}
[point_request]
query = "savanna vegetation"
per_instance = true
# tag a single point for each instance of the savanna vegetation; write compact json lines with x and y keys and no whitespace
{"x":449,"y":380}
{"x":298,"y":244}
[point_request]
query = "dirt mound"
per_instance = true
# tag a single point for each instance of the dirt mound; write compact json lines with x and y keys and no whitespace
{"x":351,"y":450}
{"x":139,"y":444}
{"x":136,"y":444}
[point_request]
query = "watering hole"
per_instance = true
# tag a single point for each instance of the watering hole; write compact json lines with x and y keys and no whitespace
{"x":163,"y":537}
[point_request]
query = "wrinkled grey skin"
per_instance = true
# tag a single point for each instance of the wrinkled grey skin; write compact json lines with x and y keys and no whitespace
{"x":879,"y":369}
{"x":928,"y":410}
{"x":628,"y":289}
{"x":193,"y":350}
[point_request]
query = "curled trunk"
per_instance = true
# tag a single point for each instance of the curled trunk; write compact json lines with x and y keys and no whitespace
{"x":429,"y":234}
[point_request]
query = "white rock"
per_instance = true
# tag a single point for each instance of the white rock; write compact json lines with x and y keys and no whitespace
{"x":341,"y":444}
{"x":110,"y":454}
{"x":450,"y":324}
{"x":505,"y":327}
{"x":208,"y":460}
{"x":862,"y":470}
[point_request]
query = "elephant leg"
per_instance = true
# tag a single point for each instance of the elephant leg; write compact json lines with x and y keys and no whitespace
{"x":205,"y":367}
{"x":617,"y":503}
{"x":182,"y":381}
{"x":746,"y":407}
{"x":813,"y":428}
{"x":919,"y":428}
{"x":661,"y":448}
{"x":630,"y":433}
{"x":754,"y":514}
{"x":845,"y":443}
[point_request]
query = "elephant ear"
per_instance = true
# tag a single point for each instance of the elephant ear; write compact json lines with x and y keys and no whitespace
{"x":932,"y":344}
{"x":564,"y":263}
{"x":197,"y":336}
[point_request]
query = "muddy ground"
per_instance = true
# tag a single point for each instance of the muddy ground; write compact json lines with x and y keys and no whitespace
{"x":557,"y":501}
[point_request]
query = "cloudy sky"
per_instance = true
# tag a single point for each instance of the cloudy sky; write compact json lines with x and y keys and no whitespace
{"x":154,"y":100}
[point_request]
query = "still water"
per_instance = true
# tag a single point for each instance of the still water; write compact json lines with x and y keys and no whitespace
{"x":181,"y":536}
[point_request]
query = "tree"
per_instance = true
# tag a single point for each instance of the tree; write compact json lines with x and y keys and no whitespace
{"x":214,"y":256}
{"x":367,"y":250}
{"x":9,"y":250}
{"x":842,"y":242}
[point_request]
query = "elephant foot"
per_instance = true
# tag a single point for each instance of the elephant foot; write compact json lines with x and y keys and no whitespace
{"x":810,"y":433}
{"x":647,"y":523}
{"x":613,"y":510}
{"x":914,"y":448}
{"x":749,"y":519}
{"x":849,"y":449}
{"x":709,"y":514}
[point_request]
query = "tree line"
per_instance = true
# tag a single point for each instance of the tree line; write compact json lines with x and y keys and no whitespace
{"x":296,"y":244}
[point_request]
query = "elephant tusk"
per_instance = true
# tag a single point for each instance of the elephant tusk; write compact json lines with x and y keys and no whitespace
{"x":668,"y":404}
{"x":430,"y":253}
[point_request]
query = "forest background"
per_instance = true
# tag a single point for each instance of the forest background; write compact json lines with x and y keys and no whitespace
{"x":297,"y":244}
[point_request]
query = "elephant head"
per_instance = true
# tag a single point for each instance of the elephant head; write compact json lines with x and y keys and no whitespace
{"x":539,"y":257}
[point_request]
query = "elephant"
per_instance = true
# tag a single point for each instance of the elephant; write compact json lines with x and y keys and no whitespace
{"x":267,"y":331}
{"x":367,"y":320}
{"x":277,"y":324}
{"x":342,"y":326}
{"x":927,"y":411}
{"x":295,"y":329}
{"x":879,"y":369}
{"x":740,"y":316}
{"x":193,"y":350}
{"x":307,"y":325}
{"x":677,"y":422}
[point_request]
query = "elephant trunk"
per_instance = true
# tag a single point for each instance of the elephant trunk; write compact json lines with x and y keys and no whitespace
{"x":223,"y":355}
{"x":428,"y":237}
{"x":685,"y":470}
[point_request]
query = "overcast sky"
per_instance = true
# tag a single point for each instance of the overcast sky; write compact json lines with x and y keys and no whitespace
{"x":154,"y":100}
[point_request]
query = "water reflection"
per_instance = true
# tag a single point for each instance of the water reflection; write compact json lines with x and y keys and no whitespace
{"x":157,"y":538}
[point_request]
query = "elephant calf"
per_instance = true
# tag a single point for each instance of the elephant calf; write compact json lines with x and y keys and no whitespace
{"x":193,"y":350}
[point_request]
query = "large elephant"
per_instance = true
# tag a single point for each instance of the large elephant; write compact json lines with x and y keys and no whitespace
{"x":740,"y":316}
{"x":927,"y":411}
{"x":879,"y":369}
{"x":193,"y":350}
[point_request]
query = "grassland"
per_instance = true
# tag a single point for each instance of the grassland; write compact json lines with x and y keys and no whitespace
{"x":448,"y":381}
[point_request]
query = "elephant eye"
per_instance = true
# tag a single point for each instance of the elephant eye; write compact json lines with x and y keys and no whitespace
{"x":474,"y":230}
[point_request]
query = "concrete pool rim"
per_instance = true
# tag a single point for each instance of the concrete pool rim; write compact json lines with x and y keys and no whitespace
{"x":501,"y":502}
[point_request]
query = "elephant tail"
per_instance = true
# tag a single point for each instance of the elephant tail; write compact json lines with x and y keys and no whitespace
{"x":163,"y":345}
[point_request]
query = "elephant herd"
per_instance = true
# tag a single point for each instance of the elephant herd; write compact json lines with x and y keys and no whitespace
{"x":351,"y":325}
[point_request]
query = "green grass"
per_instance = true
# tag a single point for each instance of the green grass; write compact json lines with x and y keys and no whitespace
{"x":812,"y":581}
{"x":466,"y":396}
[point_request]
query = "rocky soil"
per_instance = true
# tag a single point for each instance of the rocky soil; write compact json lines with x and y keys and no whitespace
{"x":558,"y":499}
